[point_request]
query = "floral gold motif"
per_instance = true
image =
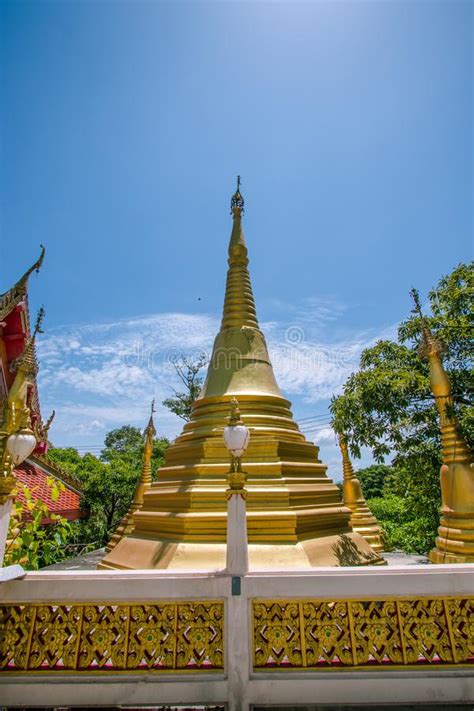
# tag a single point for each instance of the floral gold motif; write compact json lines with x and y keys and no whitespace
{"x":300,"y":634}
{"x":112,"y":637}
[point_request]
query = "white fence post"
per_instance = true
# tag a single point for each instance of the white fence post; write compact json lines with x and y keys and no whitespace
{"x":237,"y":555}
{"x":5,"y":511}
{"x":237,"y":564}
{"x":12,"y":571}
{"x":239,"y":646}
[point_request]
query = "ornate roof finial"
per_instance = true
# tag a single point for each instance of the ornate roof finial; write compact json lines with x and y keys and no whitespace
{"x":237,"y":201}
{"x":27,"y":360}
{"x":17,"y":293}
{"x":34,"y":268}
{"x":41,"y":428}
{"x":39,"y":321}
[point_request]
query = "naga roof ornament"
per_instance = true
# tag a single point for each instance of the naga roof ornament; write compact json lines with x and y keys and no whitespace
{"x":11,"y":298}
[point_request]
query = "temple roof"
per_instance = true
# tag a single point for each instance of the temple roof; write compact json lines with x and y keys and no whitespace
{"x":11,"y":298}
{"x":18,"y":344}
{"x":31,"y":474}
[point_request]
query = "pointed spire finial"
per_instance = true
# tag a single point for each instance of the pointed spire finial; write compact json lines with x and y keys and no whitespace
{"x":237,"y":201}
{"x":150,"y":429}
{"x":429,"y":344}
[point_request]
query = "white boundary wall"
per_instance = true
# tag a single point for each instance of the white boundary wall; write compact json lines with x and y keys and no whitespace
{"x":239,"y":686}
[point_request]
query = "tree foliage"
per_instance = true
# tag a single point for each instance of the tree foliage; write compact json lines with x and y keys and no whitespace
{"x":405,"y":501}
{"x":188,"y":372}
{"x":388,"y":406}
{"x":109,"y":481}
{"x":372,"y":479}
{"x":30,"y":542}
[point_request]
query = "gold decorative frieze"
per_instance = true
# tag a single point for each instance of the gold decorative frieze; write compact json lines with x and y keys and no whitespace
{"x":167,"y":637}
{"x":322,"y":634}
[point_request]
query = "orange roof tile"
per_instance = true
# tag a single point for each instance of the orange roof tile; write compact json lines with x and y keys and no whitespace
{"x":32,"y":476}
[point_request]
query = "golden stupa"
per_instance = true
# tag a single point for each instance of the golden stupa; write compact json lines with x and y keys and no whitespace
{"x":295,"y":516}
{"x":362,"y":519}
{"x":127,"y":525}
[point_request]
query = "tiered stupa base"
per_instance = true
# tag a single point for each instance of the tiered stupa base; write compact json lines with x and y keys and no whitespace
{"x":455,"y":540}
{"x":295,"y":516}
{"x":124,"y":528}
{"x":135,"y":553}
{"x":367,"y":525}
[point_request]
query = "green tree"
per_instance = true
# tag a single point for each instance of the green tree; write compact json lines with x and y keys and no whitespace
{"x":388,"y":405}
{"x":188,"y":372}
{"x":36,"y":537}
{"x":109,"y":481}
{"x":372,"y":479}
{"x":67,"y":457}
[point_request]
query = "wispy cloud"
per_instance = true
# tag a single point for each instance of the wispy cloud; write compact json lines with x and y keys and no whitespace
{"x":101,"y":375}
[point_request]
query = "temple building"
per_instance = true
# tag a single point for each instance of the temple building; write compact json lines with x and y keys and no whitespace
{"x":16,"y":343}
{"x":295,"y":515}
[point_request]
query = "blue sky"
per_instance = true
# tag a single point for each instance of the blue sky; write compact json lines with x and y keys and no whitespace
{"x":123,"y":125}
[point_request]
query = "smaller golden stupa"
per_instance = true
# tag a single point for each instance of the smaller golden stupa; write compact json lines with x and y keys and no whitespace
{"x":362,"y":519}
{"x":455,"y":541}
{"x":126,"y":525}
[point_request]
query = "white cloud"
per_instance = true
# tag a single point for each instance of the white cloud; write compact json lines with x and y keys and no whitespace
{"x":101,"y":375}
{"x":325,"y":435}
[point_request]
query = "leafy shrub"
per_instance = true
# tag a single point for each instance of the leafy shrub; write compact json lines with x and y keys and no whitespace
{"x":30,"y":542}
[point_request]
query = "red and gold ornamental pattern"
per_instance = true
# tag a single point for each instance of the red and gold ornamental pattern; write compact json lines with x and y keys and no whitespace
{"x":320,"y":634}
{"x":187,"y":636}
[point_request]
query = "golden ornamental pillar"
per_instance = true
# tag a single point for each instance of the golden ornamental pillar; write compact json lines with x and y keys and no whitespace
{"x":362,"y":519}
{"x":126,"y":525}
{"x":455,"y":540}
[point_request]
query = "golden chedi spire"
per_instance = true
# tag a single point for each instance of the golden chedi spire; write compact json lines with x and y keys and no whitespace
{"x":295,"y":516}
{"x":240,"y":363}
{"x":455,"y":541}
{"x":126,"y":524}
{"x":362,"y":519}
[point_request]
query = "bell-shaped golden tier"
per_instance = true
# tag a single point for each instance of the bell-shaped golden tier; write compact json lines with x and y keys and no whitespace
{"x":362,"y":519}
{"x":295,"y":515}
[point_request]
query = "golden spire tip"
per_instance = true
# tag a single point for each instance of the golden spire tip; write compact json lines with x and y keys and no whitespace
{"x":237,"y":201}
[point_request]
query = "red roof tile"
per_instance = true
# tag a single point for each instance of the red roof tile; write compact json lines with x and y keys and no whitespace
{"x":68,"y":502}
